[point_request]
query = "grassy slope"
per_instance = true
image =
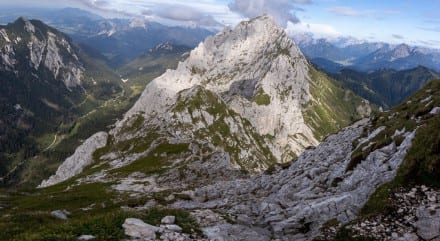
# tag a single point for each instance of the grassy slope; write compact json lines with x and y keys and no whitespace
{"x":332,"y":108}
{"x":95,"y":210}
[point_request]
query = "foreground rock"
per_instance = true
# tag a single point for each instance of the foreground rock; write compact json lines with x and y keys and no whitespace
{"x":137,"y":229}
{"x":168,"y":220}
{"x":86,"y":237}
{"x":412,"y":214}
{"x":61,"y":214}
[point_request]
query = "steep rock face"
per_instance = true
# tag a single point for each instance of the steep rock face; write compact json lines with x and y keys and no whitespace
{"x":34,"y":44}
{"x":76,"y":163}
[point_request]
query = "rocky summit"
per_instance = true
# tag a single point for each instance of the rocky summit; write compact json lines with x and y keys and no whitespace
{"x":258,"y":72}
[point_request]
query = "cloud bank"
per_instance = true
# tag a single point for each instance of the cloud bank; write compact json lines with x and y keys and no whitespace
{"x":182,"y":13}
{"x":176,"y":13}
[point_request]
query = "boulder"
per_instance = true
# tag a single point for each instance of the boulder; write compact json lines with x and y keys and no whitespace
{"x":137,"y":229}
{"x":428,"y":223}
{"x":172,"y":227}
{"x":61,"y":214}
{"x":85,"y":237}
{"x":168,"y":220}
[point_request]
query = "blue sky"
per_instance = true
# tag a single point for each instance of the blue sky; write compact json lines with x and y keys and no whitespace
{"x":416,"y":22}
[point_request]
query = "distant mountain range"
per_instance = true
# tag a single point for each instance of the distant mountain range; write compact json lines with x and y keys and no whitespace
{"x":122,"y":40}
{"x":382,"y":73}
{"x":334,"y":55}
{"x":119,"y":40}
{"x":386,"y":87}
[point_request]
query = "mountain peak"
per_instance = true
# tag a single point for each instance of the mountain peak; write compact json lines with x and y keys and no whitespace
{"x":26,"y":24}
{"x":403,"y":46}
{"x":401,"y":51}
{"x":263,"y":24}
{"x":258,"y":71}
{"x":33,"y":44}
{"x":264,"y":19}
{"x":244,"y":52}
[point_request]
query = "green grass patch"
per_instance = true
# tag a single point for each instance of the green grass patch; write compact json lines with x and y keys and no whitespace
{"x":155,"y":162}
{"x":422,"y":162}
{"x":133,"y":124}
{"x":333,"y":107}
{"x":261,"y":98}
{"x":56,"y":197}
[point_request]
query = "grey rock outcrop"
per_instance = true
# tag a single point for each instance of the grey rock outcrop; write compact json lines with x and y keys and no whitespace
{"x":61,"y":214}
{"x":435,"y":111}
{"x":86,"y":237}
{"x":137,"y":229}
{"x":168,"y":220}
{"x":428,"y":223}
{"x":43,"y":47}
{"x":75,"y":164}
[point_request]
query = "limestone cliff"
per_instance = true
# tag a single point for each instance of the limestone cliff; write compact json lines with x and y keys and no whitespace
{"x":31,"y":43}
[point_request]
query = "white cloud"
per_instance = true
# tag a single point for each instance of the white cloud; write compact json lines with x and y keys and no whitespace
{"x":185,"y":14}
{"x":317,"y":29}
{"x":345,"y":11}
{"x":206,"y":13}
{"x":281,"y":10}
{"x":351,"y":12}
